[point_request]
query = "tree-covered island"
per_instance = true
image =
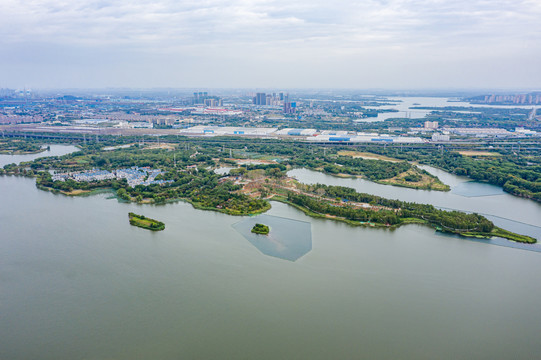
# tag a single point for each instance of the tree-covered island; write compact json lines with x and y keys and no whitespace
{"x":145,"y":223}
{"x":260,"y":229}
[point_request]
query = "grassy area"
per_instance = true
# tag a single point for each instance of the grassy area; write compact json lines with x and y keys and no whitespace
{"x":478,"y":153}
{"x":512,"y":236}
{"x":227,"y":211}
{"x":76,"y":192}
{"x":367,"y":155}
{"x":499,"y":232}
{"x":145,"y":223}
{"x":425,"y":182}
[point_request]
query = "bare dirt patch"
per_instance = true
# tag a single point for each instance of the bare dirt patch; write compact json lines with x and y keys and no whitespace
{"x":160,"y":146}
{"x":367,"y":155}
{"x":478,"y":153}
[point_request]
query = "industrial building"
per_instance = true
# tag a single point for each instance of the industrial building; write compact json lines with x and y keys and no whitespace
{"x":297,"y":132}
{"x":227,"y":130}
{"x":381,"y":139}
{"x":479,"y":131}
{"x":334,"y":132}
{"x":440,"y":137}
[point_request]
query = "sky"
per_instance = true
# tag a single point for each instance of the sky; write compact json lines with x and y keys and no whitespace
{"x":366,"y":44}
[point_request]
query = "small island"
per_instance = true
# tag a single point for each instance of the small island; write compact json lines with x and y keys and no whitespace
{"x":260,"y":229}
{"x":146,"y":223}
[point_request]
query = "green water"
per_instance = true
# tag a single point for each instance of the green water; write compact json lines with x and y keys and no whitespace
{"x":78,"y":282}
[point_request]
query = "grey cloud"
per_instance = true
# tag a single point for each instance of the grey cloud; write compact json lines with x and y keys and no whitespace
{"x":323,"y":37}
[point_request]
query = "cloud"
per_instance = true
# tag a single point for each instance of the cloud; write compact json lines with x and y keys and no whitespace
{"x":269,"y":30}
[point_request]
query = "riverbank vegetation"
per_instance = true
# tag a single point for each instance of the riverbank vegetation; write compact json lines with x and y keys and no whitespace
{"x":248,"y":188}
{"x":145,"y":223}
{"x":397,"y":173}
{"x":517,"y":174}
{"x":345,"y":203}
{"x":20,"y":146}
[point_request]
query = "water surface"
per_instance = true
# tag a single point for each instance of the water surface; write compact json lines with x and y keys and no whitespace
{"x":288,"y":239}
{"x":78,"y":282}
{"x":405,"y":105}
{"x":54,"y":150}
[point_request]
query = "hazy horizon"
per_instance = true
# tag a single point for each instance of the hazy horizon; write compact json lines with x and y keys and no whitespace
{"x":386,"y":44}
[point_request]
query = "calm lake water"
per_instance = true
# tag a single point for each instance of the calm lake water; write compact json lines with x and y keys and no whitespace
{"x":404,"y":106}
{"x":78,"y":282}
{"x":288,"y":239}
{"x":54,"y":150}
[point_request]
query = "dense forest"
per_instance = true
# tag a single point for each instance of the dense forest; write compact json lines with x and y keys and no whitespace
{"x":9,"y":146}
{"x":518,"y":174}
{"x":393,"y":211}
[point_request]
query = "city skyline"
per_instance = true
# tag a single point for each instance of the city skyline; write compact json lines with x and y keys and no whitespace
{"x":271,"y":44}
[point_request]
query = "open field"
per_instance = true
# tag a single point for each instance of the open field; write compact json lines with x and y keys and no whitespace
{"x":426,"y":182}
{"x":160,"y":146}
{"x":367,"y":155}
{"x":478,"y":153}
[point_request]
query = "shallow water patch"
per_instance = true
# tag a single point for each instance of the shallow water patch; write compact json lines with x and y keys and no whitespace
{"x":476,"y":189}
{"x":288,"y":239}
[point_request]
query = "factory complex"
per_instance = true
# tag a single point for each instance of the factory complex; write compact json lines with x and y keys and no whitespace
{"x":311,"y":135}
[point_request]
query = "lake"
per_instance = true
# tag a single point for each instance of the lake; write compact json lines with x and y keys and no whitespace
{"x":78,"y":282}
{"x":54,"y":150}
{"x":404,"y":106}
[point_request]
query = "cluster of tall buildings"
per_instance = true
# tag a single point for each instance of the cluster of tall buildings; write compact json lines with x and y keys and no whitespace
{"x":203,"y":98}
{"x":275,"y":99}
{"x":19,"y":119}
{"x":290,"y":107}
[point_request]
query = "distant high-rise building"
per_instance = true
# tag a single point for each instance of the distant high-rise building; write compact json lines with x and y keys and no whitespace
{"x":203,"y":98}
{"x":290,"y":107}
{"x":260,"y":99}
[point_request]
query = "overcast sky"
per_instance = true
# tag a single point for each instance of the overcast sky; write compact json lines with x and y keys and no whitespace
{"x":407,"y":44}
